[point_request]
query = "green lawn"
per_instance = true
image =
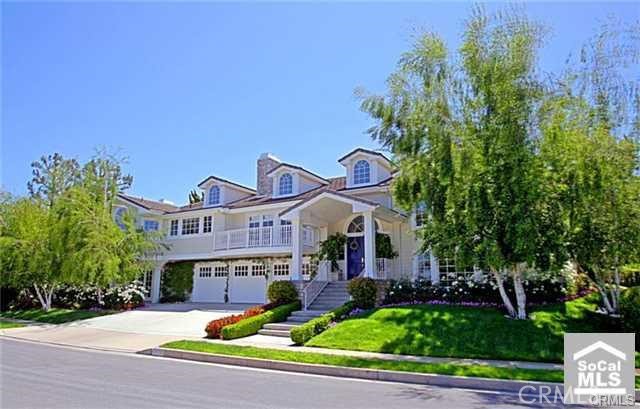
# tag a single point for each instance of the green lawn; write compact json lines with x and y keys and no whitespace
{"x":483,"y":371}
{"x":9,"y":324}
{"x":449,"y":331}
{"x":54,"y":315}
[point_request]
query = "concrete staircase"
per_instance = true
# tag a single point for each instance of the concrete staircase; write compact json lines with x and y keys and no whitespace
{"x":332,"y":296}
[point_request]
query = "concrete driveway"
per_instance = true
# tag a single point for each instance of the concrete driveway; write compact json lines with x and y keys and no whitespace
{"x":181,"y":320}
{"x":130,"y":331}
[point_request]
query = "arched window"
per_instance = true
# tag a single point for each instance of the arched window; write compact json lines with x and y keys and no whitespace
{"x":285,"y":187}
{"x":357,"y":225}
{"x":214,"y":195}
{"x":119,"y":217}
{"x":361,"y":172}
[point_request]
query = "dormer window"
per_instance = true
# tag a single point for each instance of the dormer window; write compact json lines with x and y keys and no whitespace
{"x":214,"y":196}
{"x":361,"y":173}
{"x":285,"y":185}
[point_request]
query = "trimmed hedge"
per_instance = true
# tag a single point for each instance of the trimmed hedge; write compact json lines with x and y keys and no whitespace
{"x":251,"y":325}
{"x":310,"y":329}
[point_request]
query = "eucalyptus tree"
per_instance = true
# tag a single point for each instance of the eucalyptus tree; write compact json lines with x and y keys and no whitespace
{"x":462,"y":131}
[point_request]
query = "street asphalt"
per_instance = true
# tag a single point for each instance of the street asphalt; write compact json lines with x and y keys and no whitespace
{"x":44,"y":376}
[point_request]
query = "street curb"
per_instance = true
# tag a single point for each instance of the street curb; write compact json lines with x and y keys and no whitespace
{"x":498,"y":385}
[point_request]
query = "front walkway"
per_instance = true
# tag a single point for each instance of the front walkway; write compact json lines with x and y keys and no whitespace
{"x":261,"y":341}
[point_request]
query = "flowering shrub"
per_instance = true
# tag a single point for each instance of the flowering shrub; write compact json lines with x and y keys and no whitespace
{"x":127,"y":296}
{"x":471,"y":293}
{"x":124,"y":297}
{"x":214,"y":328}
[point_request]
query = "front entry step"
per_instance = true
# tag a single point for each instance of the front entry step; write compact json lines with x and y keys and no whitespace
{"x":275,"y":332}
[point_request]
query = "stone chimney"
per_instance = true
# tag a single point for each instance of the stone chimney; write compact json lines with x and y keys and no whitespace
{"x":264,"y":184}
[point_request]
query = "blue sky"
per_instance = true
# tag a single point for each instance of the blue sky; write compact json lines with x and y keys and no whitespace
{"x":190,"y":90}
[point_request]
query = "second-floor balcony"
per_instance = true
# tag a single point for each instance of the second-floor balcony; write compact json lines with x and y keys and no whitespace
{"x":253,"y":237}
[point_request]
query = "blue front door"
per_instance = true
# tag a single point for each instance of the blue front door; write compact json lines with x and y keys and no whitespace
{"x":355,"y":256}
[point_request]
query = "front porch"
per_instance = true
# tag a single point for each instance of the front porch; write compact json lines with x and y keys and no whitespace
{"x":361,"y":221}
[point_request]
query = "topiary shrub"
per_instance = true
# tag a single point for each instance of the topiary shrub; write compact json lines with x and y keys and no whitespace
{"x":630,"y":310}
{"x":282,"y":292}
{"x":177,"y":281}
{"x":363,"y":291}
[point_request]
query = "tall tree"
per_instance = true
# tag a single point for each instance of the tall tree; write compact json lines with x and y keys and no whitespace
{"x":28,"y":256}
{"x":52,"y":176}
{"x":99,"y":251}
{"x":462,"y":135}
{"x":590,"y":146}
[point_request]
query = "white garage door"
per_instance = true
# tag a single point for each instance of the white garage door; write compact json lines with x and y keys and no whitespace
{"x":209,"y":284}
{"x":247,"y":284}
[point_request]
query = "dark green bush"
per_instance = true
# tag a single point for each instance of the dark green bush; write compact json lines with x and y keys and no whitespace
{"x":363,"y":292}
{"x":630,"y":309}
{"x":177,"y":281}
{"x":251,"y":325}
{"x":310,"y":329}
{"x":282,"y":292}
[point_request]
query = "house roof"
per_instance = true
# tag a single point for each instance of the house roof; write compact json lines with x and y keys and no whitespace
{"x":329,"y":192}
{"x":337,"y":183}
{"x":148,"y":204}
{"x":266,"y":200}
{"x":221,"y":180}
{"x":300,"y":168}
{"x":368,"y":152}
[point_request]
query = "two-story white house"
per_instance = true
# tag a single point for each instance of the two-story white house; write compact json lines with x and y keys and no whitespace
{"x":241,"y":238}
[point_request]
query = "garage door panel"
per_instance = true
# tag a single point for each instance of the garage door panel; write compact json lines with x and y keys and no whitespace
{"x":208,"y":289}
{"x":247,"y":285}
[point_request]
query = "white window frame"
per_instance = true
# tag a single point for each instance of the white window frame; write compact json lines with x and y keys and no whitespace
{"x":210,"y":195}
{"x":190,"y":226}
{"x":286,"y":184}
{"x":207,"y":224}
{"x":359,"y":172}
{"x":258,"y":270}
{"x":241,"y":270}
{"x":281,"y":269}
{"x":220,"y":271}
{"x":174,"y":228}
{"x":448,"y":272}
{"x":205,"y":272}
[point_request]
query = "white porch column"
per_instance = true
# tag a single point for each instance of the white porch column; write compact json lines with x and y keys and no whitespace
{"x":369,"y":245}
{"x":155,"y":282}
{"x":297,"y":247}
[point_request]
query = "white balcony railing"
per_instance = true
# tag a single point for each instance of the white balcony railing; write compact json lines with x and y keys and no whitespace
{"x":275,"y":236}
{"x":384,"y":268}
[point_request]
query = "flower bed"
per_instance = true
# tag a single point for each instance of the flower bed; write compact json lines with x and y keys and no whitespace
{"x":473,"y":293}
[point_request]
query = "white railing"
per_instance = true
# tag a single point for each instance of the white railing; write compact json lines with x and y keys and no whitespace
{"x":311,"y":291}
{"x":384,"y":268}
{"x":274,"y":236}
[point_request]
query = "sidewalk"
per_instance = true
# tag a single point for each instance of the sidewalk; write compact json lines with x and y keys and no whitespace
{"x":262,"y":341}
